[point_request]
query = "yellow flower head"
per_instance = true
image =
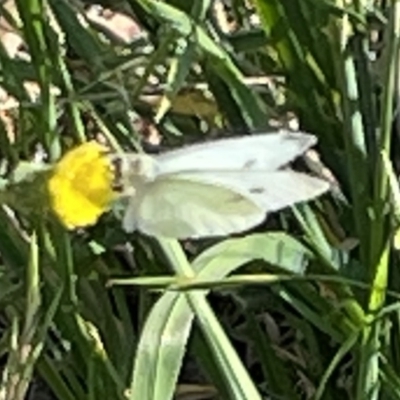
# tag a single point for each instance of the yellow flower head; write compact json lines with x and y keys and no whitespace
{"x":80,"y":186}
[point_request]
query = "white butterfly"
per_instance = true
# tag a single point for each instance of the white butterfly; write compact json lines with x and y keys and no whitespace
{"x":216,"y":188}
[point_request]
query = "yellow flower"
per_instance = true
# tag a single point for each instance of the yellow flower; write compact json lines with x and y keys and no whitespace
{"x":80,"y":186}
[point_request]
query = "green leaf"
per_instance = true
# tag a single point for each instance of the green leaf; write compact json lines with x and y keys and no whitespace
{"x":276,"y":248}
{"x":161,"y":348}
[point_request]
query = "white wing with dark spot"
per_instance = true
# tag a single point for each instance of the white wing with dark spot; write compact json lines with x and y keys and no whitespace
{"x":270,"y":190}
{"x":257,"y":152}
{"x":193,"y":205}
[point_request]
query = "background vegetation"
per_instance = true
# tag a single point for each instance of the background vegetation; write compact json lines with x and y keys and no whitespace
{"x":306,"y":306}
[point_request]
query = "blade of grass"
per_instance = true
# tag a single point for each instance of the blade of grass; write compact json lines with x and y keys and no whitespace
{"x":36,"y":34}
{"x":163,"y":343}
{"x":381,"y":184}
{"x":238,"y":379}
{"x":368,"y":384}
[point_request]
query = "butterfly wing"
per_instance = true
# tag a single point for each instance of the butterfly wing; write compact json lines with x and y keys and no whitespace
{"x":270,"y":190}
{"x":258,"y":152}
{"x":176,"y":207}
{"x":206,"y":204}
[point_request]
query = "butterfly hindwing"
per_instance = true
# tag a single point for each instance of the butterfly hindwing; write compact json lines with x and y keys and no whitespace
{"x":176,"y":207}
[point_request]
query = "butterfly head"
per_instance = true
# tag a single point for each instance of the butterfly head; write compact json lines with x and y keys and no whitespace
{"x":131,"y":171}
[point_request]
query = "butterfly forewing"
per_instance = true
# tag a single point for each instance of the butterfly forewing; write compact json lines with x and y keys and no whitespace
{"x":265,"y":152}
